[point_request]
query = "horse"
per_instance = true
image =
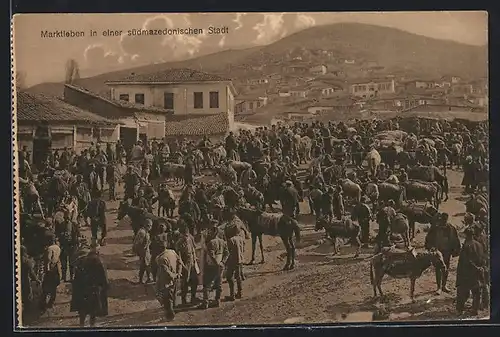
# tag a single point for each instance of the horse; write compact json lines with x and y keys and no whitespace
{"x":166,"y":201}
{"x":30,"y":197}
{"x":261,"y":223}
{"x":424,"y":214}
{"x":137,"y":215}
{"x":344,"y":228}
{"x":400,"y":225}
{"x":403,"y":264}
{"x":373,"y":158}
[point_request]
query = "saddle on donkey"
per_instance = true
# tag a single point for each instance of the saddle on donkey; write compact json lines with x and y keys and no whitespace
{"x":398,"y":254}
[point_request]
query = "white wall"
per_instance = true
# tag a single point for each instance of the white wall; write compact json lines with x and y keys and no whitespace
{"x":183,"y":96}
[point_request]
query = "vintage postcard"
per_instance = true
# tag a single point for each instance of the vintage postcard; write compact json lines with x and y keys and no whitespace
{"x":250,"y":168}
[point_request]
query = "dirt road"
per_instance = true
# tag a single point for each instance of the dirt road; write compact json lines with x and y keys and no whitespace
{"x":322,"y":289}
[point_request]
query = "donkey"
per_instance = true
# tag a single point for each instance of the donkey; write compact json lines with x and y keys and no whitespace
{"x":403,"y":264}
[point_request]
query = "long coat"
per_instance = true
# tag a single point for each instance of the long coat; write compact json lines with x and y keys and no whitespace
{"x":90,"y":287}
{"x":470,"y":269}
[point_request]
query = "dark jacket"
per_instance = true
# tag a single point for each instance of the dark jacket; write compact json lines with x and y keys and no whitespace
{"x":90,"y":287}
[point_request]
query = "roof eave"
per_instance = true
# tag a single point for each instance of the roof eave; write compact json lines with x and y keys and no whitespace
{"x":123,"y":82}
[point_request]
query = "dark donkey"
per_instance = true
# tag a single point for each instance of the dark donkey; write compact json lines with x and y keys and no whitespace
{"x":403,"y":264}
{"x":261,"y":223}
{"x":345,"y":228}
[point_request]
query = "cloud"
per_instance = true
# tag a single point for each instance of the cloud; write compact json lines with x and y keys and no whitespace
{"x":151,"y":48}
{"x":97,"y":56}
{"x":275,"y":26}
{"x":304,"y":21}
{"x":245,"y":29}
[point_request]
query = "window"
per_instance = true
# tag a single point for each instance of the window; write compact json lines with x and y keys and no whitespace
{"x":139,"y":99}
{"x":124,"y":97}
{"x":198,"y":100}
{"x":251,"y":105}
{"x":259,"y":104}
{"x":214,"y":99}
{"x":168,"y":100}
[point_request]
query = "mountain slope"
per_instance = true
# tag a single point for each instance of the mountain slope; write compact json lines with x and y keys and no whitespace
{"x":390,"y":47}
{"x":395,"y":49}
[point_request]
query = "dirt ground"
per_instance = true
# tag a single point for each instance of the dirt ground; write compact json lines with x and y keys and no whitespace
{"x":322,"y":289}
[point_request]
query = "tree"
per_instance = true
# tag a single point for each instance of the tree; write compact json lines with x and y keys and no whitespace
{"x":20,"y":79}
{"x":72,"y":71}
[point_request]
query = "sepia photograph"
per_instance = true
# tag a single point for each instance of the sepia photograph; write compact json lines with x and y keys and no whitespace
{"x":239,"y":169}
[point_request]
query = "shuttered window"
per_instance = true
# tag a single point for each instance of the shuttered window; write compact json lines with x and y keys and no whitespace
{"x":198,"y":100}
{"x":214,"y":99}
{"x":139,"y":99}
{"x":124,"y":97}
{"x":168,"y":100}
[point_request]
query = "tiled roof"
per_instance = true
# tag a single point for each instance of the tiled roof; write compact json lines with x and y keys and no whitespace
{"x":172,"y":76}
{"x":369,"y":80}
{"x":209,"y":125}
{"x":119,"y":103}
{"x":38,"y":107}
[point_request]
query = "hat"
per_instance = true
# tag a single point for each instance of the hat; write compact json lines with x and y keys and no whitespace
{"x":288,"y":182}
{"x":469,"y":216}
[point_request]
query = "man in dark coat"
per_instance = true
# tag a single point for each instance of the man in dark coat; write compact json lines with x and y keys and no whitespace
{"x":470,"y":273}
{"x":90,"y":288}
{"x":28,"y":280}
{"x":444,"y":237}
{"x":290,"y":200}
{"x":96,"y":211}
{"x":363,"y":214}
{"x":67,"y":233}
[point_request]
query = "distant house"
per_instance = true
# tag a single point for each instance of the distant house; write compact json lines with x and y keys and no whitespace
{"x":369,"y":88}
{"x":325,"y":89}
{"x":479,"y":100}
{"x":462,"y":89}
{"x":297,"y":115}
{"x":249,"y":103}
{"x":349,"y":61}
{"x":447,"y":81}
{"x":284,"y":93}
{"x":45,"y":123}
{"x":318,"y":70}
{"x":299,"y":92}
{"x":420,"y":84}
{"x":296,"y":69}
{"x":257,"y":81}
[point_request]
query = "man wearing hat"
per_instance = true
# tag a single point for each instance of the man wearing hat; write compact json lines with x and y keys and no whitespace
{"x":363,"y":214}
{"x":141,"y":246}
{"x":481,"y":237}
{"x":186,"y":248}
{"x":470,"y":272}
{"x":52,"y":275}
{"x":290,"y":200}
{"x":236,"y":250}
{"x":132,"y":183}
{"x":94,"y":180}
{"x":444,"y":237}
{"x":96,"y":211}
{"x":215,"y":255}
{"x":338,"y":202}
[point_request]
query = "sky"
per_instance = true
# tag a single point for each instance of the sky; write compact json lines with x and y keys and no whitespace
{"x":43,"y":59}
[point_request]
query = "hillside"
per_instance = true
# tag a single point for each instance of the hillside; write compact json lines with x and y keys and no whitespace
{"x":392,"y":48}
{"x":397,"y":50}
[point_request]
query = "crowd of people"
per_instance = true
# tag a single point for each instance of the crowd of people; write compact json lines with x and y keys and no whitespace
{"x":353,"y":173}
